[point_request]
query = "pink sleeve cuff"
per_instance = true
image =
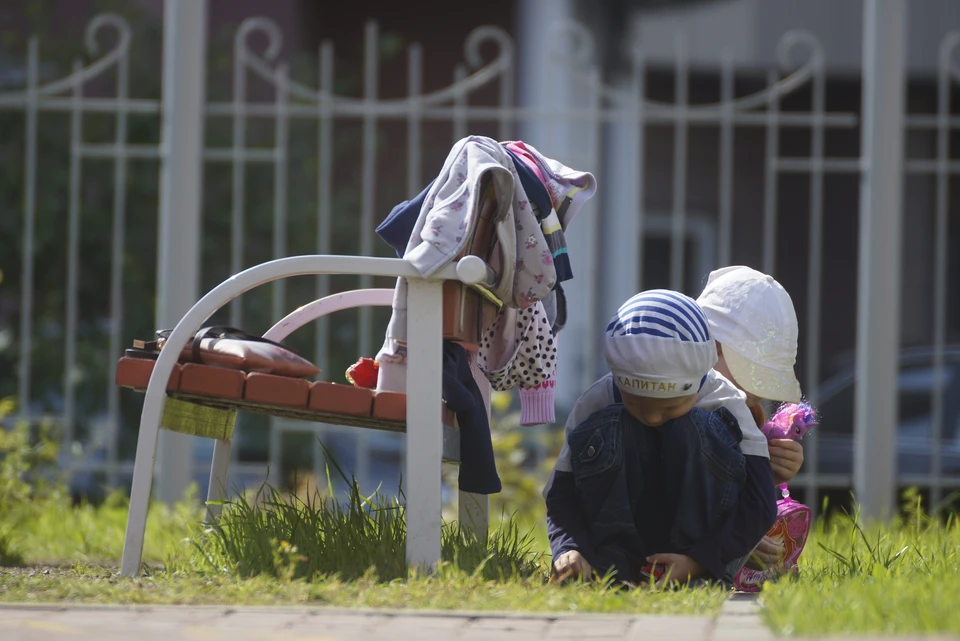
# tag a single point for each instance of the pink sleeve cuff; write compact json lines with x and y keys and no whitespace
{"x":537,"y":404}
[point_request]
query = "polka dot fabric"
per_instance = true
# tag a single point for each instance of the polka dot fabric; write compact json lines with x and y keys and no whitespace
{"x":518,"y":350}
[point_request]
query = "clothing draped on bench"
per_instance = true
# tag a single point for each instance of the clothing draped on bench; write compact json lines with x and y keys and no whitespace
{"x":536,"y":198}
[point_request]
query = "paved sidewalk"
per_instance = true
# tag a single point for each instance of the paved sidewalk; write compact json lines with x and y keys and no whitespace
{"x":185,"y":623}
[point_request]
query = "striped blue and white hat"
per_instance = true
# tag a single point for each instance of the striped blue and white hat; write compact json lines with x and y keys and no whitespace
{"x":658,"y":344}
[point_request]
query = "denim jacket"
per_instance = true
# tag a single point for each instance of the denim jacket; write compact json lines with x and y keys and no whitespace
{"x":643,"y":490}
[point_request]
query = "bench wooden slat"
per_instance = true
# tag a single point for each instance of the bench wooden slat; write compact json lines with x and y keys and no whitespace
{"x":340,"y":399}
{"x":135,"y":373}
{"x":391,"y":406}
{"x":276,"y":390}
{"x":207,"y":380}
{"x":297,"y":398}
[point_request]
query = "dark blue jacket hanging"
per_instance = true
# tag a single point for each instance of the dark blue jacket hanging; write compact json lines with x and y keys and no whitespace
{"x":478,"y":470}
{"x":397,"y":227}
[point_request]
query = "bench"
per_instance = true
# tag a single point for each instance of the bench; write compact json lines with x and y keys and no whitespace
{"x":203,"y":400}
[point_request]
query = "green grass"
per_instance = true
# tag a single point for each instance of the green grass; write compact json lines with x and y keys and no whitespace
{"x":54,"y":531}
{"x":273,"y":548}
{"x":902,"y":578}
{"x":303,"y":538}
{"x":278,"y":550}
{"x":448,"y":589}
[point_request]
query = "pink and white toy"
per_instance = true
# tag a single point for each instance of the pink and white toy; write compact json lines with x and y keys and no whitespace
{"x":790,"y":530}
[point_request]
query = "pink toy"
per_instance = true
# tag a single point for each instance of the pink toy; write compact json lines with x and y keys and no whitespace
{"x":790,"y":530}
{"x":791,"y":420}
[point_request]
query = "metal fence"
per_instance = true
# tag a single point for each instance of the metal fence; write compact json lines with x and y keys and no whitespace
{"x":611,"y":128}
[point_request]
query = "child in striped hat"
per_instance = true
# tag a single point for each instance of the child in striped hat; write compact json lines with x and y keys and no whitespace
{"x":663,"y":466}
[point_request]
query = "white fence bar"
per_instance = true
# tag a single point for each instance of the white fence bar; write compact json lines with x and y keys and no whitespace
{"x":679,"y":218}
{"x":947,"y":47}
{"x":181,"y":177}
{"x":324,"y":246}
{"x":278,"y":294}
{"x":814,"y":275}
{"x":278,"y":303}
{"x":73,"y":267}
{"x":324,"y":191}
{"x":116,"y":266}
{"x":238,"y":157}
{"x":878,"y":318}
{"x":29,"y":227}
{"x":638,"y":160}
{"x":414,"y":123}
{"x":589,"y":274}
{"x":770,"y":188}
{"x":388,"y":111}
{"x":725,"y":237}
{"x":368,"y":178}
{"x":368,"y":205}
{"x":623,"y":242}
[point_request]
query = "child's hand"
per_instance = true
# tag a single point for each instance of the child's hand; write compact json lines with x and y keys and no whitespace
{"x":768,"y":553}
{"x":680,"y":568}
{"x":571,"y":564}
{"x":786,"y":457}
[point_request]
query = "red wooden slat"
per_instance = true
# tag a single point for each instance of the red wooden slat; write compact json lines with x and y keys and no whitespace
{"x":340,"y":399}
{"x":276,"y":390}
{"x":391,"y":406}
{"x":135,"y":373}
{"x":212,"y":381}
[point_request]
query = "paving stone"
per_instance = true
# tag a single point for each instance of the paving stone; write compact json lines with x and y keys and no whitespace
{"x":738,"y":621}
{"x":675,"y":628}
{"x":588,"y":628}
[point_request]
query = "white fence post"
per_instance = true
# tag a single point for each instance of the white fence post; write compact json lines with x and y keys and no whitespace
{"x":549,"y":88}
{"x":181,"y":180}
{"x":878,"y":317}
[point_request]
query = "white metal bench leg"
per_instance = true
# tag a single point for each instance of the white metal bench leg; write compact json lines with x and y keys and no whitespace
{"x":139,"y":502}
{"x":424,"y":422}
{"x":217,"y":487}
{"x":143,"y":465}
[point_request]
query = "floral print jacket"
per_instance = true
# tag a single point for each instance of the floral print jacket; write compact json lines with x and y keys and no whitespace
{"x":449,"y":213}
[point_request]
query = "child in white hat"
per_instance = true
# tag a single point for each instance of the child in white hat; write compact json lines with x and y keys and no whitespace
{"x":753,"y":321}
{"x":663,"y":464}
{"x":754,"y":324}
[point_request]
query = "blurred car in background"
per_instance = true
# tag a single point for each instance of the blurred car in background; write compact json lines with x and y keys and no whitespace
{"x":915,"y":444}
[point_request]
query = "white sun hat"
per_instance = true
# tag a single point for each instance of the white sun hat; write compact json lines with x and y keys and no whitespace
{"x":752,"y":317}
